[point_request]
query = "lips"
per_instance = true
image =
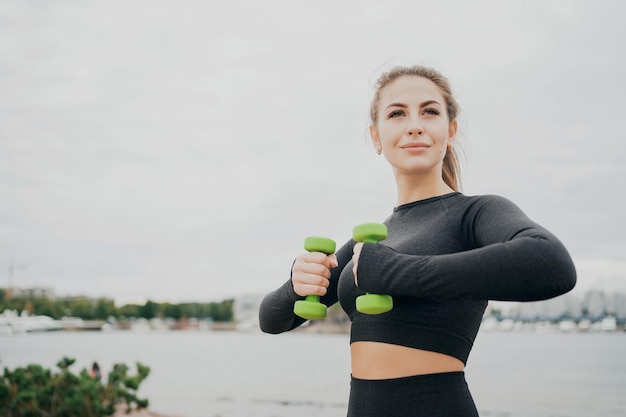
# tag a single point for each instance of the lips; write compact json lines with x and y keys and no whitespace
{"x":415,"y":145}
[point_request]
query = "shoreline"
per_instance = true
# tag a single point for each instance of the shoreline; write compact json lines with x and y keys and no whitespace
{"x":144,"y":412}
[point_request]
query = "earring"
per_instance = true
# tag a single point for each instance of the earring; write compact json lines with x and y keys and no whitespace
{"x":379,"y":151}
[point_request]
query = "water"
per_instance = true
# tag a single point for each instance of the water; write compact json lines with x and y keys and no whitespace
{"x":230,"y":374}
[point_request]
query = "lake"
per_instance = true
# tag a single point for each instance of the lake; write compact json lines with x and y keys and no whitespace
{"x":234,"y":374}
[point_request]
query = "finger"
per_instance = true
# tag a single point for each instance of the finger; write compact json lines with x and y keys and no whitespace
{"x":307,"y":289}
{"x":330,"y":261}
{"x":311,"y":258}
{"x":334,"y":263}
{"x":308,"y":278}
{"x":316,"y":269}
{"x":317,"y":257}
{"x":311,"y":279}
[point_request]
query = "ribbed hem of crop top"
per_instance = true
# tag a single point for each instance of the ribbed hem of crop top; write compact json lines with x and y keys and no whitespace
{"x":374,"y":329}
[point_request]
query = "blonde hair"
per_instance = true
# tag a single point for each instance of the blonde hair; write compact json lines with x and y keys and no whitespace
{"x":451,"y":171}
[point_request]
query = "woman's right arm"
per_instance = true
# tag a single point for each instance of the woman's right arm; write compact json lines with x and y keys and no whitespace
{"x":311,"y":274}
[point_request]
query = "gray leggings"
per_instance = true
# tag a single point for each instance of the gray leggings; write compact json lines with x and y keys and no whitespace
{"x":433,"y":395}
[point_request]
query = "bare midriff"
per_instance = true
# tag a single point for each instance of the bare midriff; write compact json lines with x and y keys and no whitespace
{"x":376,"y":360}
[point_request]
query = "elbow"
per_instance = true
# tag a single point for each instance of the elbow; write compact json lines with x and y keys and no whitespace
{"x":568,"y":278}
{"x":563,"y":275}
{"x":559,"y":286}
{"x":571,"y":279}
{"x":562,"y":279}
{"x":266,"y":328}
{"x":269,"y":323}
{"x":554,"y":276}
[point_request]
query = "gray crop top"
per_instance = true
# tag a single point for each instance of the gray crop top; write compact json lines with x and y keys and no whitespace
{"x":443,"y":259}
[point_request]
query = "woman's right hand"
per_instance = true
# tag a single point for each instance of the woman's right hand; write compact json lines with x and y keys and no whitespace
{"x":310,"y":273}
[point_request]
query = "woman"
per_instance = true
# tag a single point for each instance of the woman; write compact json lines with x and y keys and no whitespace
{"x":95,"y":371}
{"x":445,"y":256}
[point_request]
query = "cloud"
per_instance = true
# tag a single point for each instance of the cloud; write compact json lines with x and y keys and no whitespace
{"x":155,"y":150}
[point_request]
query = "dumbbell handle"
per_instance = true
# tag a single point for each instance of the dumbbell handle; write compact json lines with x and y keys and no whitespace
{"x":310,"y":308}
{"x":318,"y":244}
{"x":372,"y":303}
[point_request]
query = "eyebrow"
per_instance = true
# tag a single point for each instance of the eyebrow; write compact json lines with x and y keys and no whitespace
{"x":424,"y":104}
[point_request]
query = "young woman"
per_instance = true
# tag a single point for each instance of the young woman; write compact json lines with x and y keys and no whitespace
{"x":445,"y":256}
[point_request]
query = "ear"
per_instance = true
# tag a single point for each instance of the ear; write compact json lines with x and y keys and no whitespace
{"x":375,"y":139}
{"x":452,"y":128}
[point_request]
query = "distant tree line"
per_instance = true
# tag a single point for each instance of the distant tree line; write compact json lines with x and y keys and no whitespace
{"x":103,"y":308}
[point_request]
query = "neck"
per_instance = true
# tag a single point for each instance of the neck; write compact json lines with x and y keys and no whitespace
{"x":415,"y":188}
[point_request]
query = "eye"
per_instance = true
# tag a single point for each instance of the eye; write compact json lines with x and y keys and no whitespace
{"x":395,"y":113}
{"x":431,"y":111}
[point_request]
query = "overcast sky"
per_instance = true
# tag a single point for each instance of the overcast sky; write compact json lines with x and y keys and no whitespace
{"x":183,"y":150}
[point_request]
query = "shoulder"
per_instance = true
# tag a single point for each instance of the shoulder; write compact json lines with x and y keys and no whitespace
{"x":491,"y":209}
{"x":488,"y":201}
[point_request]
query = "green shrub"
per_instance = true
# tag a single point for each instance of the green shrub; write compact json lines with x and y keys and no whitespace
{"x":33,"y":391}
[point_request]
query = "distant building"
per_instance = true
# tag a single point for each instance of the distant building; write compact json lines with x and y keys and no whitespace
{"x":616,"y":305}
{"x":34,"y":292}
{"x":595,"y":303}
{"x":566,"y":306}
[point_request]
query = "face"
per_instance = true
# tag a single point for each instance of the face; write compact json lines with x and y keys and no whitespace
{"x":413,"y":130}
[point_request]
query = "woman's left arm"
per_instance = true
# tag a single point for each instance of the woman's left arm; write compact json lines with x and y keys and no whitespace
{"x":514,"y":259}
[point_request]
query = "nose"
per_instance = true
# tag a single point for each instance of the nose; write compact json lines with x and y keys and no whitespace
{"x":414,"y":127}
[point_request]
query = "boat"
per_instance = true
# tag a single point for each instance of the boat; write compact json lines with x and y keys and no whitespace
{"x":608,"y":324}
{"x":11,"y":322}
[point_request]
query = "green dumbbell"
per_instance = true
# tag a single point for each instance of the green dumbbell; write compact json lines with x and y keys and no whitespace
{"x":310,"y":308}
{"x":372,"y":303}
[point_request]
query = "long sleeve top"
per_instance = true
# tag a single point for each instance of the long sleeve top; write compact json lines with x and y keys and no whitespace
{"x":443,"y":259}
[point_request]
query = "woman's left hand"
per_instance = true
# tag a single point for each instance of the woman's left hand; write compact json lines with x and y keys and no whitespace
{"x":356,"y":252}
